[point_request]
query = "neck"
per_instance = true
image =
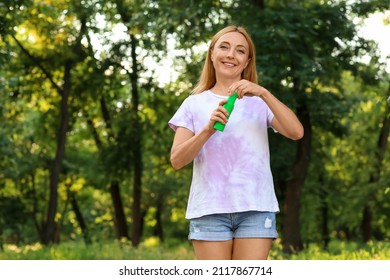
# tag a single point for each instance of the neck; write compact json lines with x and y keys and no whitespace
{"x":221,"y":86}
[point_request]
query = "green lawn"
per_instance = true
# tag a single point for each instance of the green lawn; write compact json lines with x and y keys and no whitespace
{"x":150,"y":249}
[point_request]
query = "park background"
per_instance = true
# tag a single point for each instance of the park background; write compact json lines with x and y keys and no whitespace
{"x":87,"y":88}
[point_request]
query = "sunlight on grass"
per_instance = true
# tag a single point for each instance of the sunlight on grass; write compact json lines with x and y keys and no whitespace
{"x":13,"y":248}
{"x":152,"y":242}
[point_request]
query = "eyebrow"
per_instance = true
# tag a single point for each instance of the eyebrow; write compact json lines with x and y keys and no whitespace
{"x":226,"y":42}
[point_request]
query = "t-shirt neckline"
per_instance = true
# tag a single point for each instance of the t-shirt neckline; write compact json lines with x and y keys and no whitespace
{"x":217,"y":95}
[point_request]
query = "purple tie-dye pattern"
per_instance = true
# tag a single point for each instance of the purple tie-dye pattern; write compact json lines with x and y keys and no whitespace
{"x":232,"y":171}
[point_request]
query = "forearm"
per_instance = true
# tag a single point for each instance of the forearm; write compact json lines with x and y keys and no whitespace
{"x":184,"y":152}
{"x":287,"y":121}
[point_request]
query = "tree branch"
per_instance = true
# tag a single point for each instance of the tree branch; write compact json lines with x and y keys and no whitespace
{"x":37,"y":63}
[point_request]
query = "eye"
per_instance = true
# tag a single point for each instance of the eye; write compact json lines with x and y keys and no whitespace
{"x":223,"y":47}
{"x":241,"y":51}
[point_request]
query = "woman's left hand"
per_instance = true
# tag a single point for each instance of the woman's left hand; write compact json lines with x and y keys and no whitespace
{"x":247,"y":88}
{"x":285,"y":121}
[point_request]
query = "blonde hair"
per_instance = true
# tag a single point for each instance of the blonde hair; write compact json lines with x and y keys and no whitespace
{"x":207,"y":78}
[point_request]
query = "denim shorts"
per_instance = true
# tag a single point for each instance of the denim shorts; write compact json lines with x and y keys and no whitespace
{"x":222,"y":227}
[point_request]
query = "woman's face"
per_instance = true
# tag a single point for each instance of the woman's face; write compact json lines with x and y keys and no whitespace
{"x":230,"y":55}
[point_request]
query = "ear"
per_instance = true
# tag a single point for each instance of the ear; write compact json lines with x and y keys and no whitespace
{"x":211,"y":55}
{"x":246,"y":65}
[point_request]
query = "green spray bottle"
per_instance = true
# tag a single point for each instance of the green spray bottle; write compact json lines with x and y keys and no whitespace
{"x":229,"y":107}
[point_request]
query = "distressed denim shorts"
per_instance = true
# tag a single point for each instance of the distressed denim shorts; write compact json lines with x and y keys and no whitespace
{"x":222,"y":227}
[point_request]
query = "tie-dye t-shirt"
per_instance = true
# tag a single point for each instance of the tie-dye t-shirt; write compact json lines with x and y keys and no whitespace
{"x":232,"y":171}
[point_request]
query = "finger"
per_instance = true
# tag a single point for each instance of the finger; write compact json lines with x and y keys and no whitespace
{"x":222,"y":119}
{"x":221,"y":114}
{"x":222,"y":102}
{"x":234,"y":87}
{"x":221,"y":108}
{"x":240,"y":91}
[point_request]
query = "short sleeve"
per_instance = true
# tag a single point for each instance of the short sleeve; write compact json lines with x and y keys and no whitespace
{"x":270,"y":117}
{"x":183,"y":117}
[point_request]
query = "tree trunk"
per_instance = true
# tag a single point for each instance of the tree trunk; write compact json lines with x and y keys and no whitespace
{"x":158,"y":230}
{"x":120,"y":217}
{"x":119,"y":213}
{"x":34,"y":213}
{"x":291,"y":226}
{"x":1,"y":238}
{"x":324,"y":220}
{"x":50,"y":224}
{"x":137,"y":151}
{"x":126,"y":16}
{"x":366,"y":225}
{"x":259,"y":3}
{"x":80,"y":218}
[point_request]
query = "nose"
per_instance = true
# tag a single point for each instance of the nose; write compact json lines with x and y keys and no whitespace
{"x":230,"y":54}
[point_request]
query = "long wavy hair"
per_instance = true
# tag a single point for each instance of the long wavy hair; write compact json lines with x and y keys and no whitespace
{"x":208,"y":79}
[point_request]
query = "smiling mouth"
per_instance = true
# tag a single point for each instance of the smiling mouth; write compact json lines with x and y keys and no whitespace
{"x":228,"y":64}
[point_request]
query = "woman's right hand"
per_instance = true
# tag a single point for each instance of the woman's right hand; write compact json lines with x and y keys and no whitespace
{"x":220,"y":114}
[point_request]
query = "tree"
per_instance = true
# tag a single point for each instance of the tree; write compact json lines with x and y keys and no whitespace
{"x":72,"y":54}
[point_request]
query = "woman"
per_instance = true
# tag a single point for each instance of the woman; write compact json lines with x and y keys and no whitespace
{"x":232,"y":202}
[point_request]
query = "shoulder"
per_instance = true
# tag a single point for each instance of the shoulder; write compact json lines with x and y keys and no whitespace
{"x":254,"y":102}
{"x":197,"y":99}
{"x":200,"y":96}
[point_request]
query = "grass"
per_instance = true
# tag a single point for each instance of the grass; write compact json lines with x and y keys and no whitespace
{"x":337,"y":250}
{"x":151,"y":249}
